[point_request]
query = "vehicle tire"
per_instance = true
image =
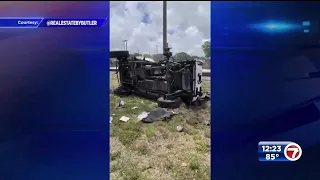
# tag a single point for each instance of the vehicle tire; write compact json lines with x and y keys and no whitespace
{"x":168,"y":103}
{"x":115,"y":54}
{"x":122,"y":91}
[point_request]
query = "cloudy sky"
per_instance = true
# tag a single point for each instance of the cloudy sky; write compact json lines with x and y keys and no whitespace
{"x":141,"y":24}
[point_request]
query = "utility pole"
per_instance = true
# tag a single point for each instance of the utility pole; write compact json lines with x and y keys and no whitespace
{"x":156,"y":49}
{"x":125,"y":44}
{"x":165,"y":43}
{"x":166,"y":50}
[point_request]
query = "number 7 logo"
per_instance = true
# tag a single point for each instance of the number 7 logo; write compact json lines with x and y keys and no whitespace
{"x":292,"y":152}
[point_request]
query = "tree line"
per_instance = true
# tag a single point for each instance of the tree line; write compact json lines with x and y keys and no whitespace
{"x":183,"y":55}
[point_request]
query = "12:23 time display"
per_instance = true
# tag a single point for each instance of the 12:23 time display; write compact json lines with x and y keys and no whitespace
{"x":271,"y":148}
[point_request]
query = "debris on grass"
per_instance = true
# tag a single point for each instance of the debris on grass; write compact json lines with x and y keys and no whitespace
{"x":157,"y":150}
{"x":179,"y":128}
{"x":143,"y":115}
{"x":158,"y":114}
{"x":111,"y":118}
{"x":121,"y":103}
{"x":124,"y":119}
{"x":184,"y":164}
{"x":134,"y":107}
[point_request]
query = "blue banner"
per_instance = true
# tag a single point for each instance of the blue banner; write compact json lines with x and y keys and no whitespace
{"x":20,"y":22}
{"x":279,"y":151}
{"x":276,"y":157}
{"x":50,"y":22}
{"x":72,"y":23}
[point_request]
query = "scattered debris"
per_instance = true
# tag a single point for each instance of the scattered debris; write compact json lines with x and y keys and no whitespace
{"x":184,"y":164}
{"x":124,"y":119}
{"x":134,"y":107}
{"x":179,"y":128}
{"x":143,"y":115}
{"x":121,"y":103}
{"x":113,"y":114}
{"x":111,"y":118}
{"x":158,"y":114}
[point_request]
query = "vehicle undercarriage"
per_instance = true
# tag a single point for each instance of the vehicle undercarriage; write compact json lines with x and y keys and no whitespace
{"x":170,"y":82}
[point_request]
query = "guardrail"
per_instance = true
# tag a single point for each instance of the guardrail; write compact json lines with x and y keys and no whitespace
{"x":205,"y":72}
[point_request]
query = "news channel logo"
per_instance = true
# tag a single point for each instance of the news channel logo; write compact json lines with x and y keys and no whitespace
{"x":279,"y":151}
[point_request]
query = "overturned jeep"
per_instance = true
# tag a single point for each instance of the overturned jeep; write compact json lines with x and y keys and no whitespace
{"x":170,"y":82}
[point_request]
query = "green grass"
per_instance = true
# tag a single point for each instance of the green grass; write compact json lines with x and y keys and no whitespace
{"x":156,"y":150}
{"x":150,"y":131}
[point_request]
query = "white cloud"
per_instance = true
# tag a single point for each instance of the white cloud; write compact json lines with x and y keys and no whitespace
{"x":188,"y":25}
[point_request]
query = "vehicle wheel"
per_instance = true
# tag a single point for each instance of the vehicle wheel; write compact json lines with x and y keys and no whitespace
{"x":115,"y":54}
{"x":168,"y":103}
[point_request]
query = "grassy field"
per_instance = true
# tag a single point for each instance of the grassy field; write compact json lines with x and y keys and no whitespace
{"x":157,"y":151}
